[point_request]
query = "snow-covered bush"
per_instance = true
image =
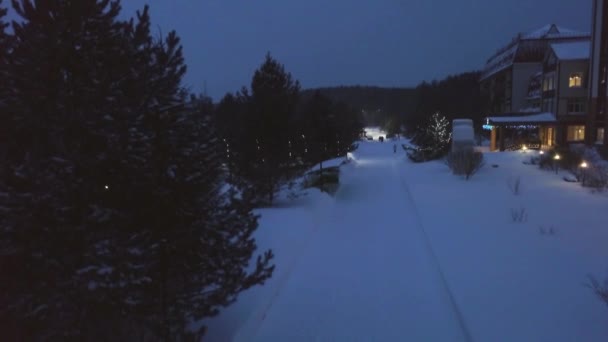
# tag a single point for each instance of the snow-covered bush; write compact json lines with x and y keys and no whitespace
{"x":465,"y":162}
{"x":595,"y":174}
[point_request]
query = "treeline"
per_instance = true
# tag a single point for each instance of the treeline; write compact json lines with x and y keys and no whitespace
{"x":458,"y":96}
{"x":272,"y":134}
{"x":455,"y":96}
{"x":114,"y":225}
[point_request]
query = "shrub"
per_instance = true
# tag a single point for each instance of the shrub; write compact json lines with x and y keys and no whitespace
{"x":519,"y":215}
{"x":465,"y":162}
{"x":596,"y":174}
{"x":600,"y":289}
{"x":514,"y":184}
{"x":545,"y":161}
{"x":568,"y":159}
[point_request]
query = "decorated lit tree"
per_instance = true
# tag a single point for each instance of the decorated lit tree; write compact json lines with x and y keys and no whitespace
{"x":432,"y":139}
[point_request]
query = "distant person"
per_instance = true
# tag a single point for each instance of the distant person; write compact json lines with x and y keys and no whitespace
{"x":394,"y":148}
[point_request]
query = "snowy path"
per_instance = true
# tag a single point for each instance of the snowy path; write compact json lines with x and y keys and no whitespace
{"x":368,"y":273}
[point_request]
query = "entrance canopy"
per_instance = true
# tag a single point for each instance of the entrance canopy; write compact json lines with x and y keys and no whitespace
{"x":543,"y":122}
{"x":516,"y":120}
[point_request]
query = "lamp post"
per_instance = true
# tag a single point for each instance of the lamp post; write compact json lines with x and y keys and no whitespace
{"x":556,"y":159}
{"x":583,"y":167}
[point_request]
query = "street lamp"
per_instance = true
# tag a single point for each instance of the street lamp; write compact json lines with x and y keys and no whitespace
{"x":583,"y":171}
{"x":556,"y":159}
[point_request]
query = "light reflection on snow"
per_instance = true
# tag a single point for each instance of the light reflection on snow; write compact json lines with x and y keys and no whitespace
{"x":375,"y":132}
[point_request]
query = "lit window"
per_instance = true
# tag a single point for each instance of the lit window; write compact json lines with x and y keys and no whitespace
{"x":576,"y":133}
{"x":576,"y":80}
{"x":600,"y":136}
{"x":576,"y":106}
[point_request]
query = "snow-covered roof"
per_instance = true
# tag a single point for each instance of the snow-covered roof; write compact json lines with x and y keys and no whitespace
{"x":535,"y":118}
{"x":505,"y":56}
{"x":552,"y":31}
{"x":572,"y":50}
{"x":500,"y":61}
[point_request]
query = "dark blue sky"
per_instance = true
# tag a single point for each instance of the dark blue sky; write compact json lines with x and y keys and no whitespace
{"x":348,"y":42}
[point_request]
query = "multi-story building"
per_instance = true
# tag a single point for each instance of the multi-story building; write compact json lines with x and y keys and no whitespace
{"x":507,"y":74}
{"x":597,"y":123}
{"x":565,"y":89}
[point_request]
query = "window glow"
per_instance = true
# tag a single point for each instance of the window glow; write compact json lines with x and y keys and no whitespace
{"x":576,"y":133}
{"x":575,"y":80}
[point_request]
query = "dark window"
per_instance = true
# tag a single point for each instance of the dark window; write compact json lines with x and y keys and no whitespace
{"x":576,"y":106}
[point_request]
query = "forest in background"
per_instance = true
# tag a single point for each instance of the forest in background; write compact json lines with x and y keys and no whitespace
{"x":456,"y":96}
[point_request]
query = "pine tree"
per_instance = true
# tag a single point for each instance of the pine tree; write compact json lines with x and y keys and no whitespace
{"x":274,"y":96}
{"x":319,"y":127}
{"x":238,"y":138}
{"x":4,"y":87}
{"x":349,"y":128}
{"x":432,"y":139}
{"x":114,"y":226}
{"x":52,"y":100}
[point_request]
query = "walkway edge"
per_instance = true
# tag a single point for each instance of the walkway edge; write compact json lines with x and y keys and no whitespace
{"x":460,"y":317}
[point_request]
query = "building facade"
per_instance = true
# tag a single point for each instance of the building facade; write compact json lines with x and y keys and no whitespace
{"x":507,"y":74}
{"x":564,"y":92}
{"x":597,"y":123}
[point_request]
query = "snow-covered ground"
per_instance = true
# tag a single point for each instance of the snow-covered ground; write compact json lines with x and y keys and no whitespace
{"x":409,"y":252}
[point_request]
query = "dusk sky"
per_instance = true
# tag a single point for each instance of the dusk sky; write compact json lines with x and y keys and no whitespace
{"x":348,"y":42}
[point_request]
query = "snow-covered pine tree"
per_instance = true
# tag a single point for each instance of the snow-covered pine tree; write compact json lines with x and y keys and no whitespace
{"x":115,"y":228}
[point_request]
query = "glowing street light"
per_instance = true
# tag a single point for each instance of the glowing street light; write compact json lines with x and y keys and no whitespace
{"x":557,"y":157}
{"x":541,"y":152}
{"x":583,"y":172}
{"x":525,"y":148}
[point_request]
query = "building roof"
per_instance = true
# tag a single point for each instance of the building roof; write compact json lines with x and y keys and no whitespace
{"x":505,"y":56}
{"x":522,"y":119}
{"x":572,"y":50}
{"x":552,"y":31}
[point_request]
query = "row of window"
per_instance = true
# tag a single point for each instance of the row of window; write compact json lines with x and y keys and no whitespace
{"x":577,"y":133}
{"x":574,"y":81}
{"x":575,"y":106}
